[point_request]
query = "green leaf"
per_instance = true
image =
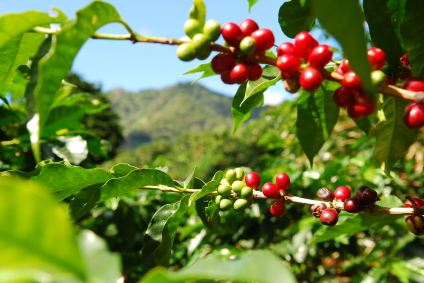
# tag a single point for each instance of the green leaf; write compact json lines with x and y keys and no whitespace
{"x":210,"y":187}
{"x":36,"y":233}
{"x":122,"y":169}
{"x":213,"y":217}
{"x":84,"y":201}
{"x":218,"y":176}
{"x":400,"y":270}
{"x":100,"y":263}
{"x":295,"y":17}
{"x":205,"y":68}
{"x":242,"y":112}
{"x":251,"y":3}
{"x":160,"y":234}
{"x":188,"y":183}
{"x":397,"y":13}
{"x":344,"y":20}
{"x":316,"y":116}
{"x":393,"y":137}
{"x":382,"y":30}
{"x":388,"y":201}
{"x":215,"y":268}
{"x":271,"y":75}
{"x":412,"y":30}
{"x":201,"y":205}
{"x":199,"y":12}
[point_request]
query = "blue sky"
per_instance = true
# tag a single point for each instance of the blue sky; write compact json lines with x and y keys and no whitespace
{"x":142,"y":66}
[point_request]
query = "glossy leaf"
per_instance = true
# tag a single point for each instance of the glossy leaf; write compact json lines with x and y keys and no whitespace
{"x":160,"y":234}
{"x":295,"y":17}
{"x":122,"y":169}
{"x":36,"y":233}
{"x":201,"y":205}
{"x":393,"y":137}
{"x":210,"y":187}
{"x":338,"y":17}
{"x":205,"y":68}
{"x":397,"y":12}
{"x":251,"y":3}
{"x":213,"y":267}
{"x":188,"y":183}
{"x":218,"y":176}
{"x":364,"y":124}
{"x":382,"y":30}
{"x":270,"y":76}
{"x":316,"y":116}
{"x":412,"y":30}
{"x":242,"y":112}
{"x":84,"y":201}
{"x":213,"y":217}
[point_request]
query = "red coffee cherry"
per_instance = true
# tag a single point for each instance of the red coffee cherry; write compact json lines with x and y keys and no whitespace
{"x":344,"y":66}
{"x":329,"y":217}
{"x":286,"y":48}
{"x":353,"y":205}
{"x":264,"y":38}
{"x":414,"y":203}
{"x":226,"y":79}
{"x":414,"y":116}
{"x":325,"y":194}
{"x":316,"y":209}
{"x":223,"y":63}
{"x":248,"y":26}
{"x":320,"y":56}
{"x":352,"y":113}
{"x":310,"y":79}
{"x":288,"y":63}
{"x":343,"y":96}
{"x":277,"y":209}
{"x":342,"y":193}
{"x":366,"y":195}
{"x":362,"y":103}
{"x":377,"y":58}
{"x":403,"y":76}
{"x":255,"y":72}
{"x":352,"y":80}
{"x":232,"y":34}
{"x":303,"y":44}
{"x":283,"y":181}
{"x":270,"y":190}
{"x":413,"y":84}
{"x":253,"y":180}
{"x":239,"y":73}
{"x":415,"y":224}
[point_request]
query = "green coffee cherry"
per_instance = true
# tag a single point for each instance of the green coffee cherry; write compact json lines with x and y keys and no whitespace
{"x":212,"y":30}
{"x":201,"y":42}
{"x":192,"y":27}
{"x":224,"y":182}
{"x":378,"y":77}
{"x":225,"y":204}
{"x":193,"y":14}
{"x":218,"y":199}
{"x":240,"y":204}
{"x":204,"y":55}
{"x":230,"y":176}
{"x":186,"y":52}
{"x":248,"y":45}
{"x":224,"y":190}
{"x":237,"y":186}
{"x":239,"y":174}
{"x":247,"y":193}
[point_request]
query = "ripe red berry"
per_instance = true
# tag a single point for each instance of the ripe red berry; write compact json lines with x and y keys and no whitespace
{"x":367,"y":196}
{"x":288,"y":63}
{"x":344,"y":66}
{"x":255,"y":72}
{"x":377,"y":58}
{"x":362,"y":103}
{"x":285,"y":48}
{"x":283,"y":181}
{"x":264,"y":38}
{"x":352,"y":80}
{"x":232,"y":34}
{"x":277,"y":209}
{"x":352,"y":113}
{"x":223,"y":63}
{"x":303,"y":44}
{"x":329,"y":217}
{"x":342,"y":193}
{"x":310,"y":79}
{"x":248,"y":26}
{"x":316,"y":209}
{"x":411,"y":202}
{"x":415,"y":224}
{"x":320,"y":56}
{"x":343,"y":96}
{"x":253,"y":180}
{"x":270,"y":190}
{"x":226,"y":79}
{"x":325,"y":194}
{"x":413,"y":84}
{"x":353,"y":205}
{"x":391,"y":79}
{"x":414,"y":116}
{"x":239,"y":73}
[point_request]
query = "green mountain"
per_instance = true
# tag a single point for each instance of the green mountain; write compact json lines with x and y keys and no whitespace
{"x":152,"y":115}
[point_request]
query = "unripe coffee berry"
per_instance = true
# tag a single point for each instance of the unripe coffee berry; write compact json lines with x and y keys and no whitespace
{"x":212,"y":30}
{"x":192,"y":27}
{"x":225,"y":182}
{"x":353,"y":205}
{"x":316,"y":209}
{"x":247,"y":193}
{"x":240,"y":204}
{"x":342,"y":193}
{"x":218,"y":199}
{"x":186,"y":51}
{"x":277,"y":209}
{"x":237,"y":186}
{"x":270,"y":190}
{"x":248,"y":45}
{"x":239,"y":174}
{"x":230,"y":176}
{"x":225,"y":204}
{"x":325,"y":194}
{"x":329,"y":217}
{"x":253,"y":180}
{"x":224,"y":190}
{"x":283,"y":181}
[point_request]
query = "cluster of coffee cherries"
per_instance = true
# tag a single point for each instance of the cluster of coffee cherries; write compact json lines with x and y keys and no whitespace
{"x":306,"y":56}
{"x":415,"y":222}
{"x":236,"y":190}
{"x":249,"y":39}
{"x":414,"y":112}
{"x":351,"y":94}
{"x":364,"y":197}
{"x":273,"y":191}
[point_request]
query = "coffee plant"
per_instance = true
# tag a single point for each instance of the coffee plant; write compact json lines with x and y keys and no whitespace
{"x":59,"y":220}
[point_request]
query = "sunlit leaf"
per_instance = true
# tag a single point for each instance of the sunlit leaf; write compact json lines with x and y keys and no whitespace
{"x":270,"y":76}
{"x":295,"y":17}
{"x":242,"y":112}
